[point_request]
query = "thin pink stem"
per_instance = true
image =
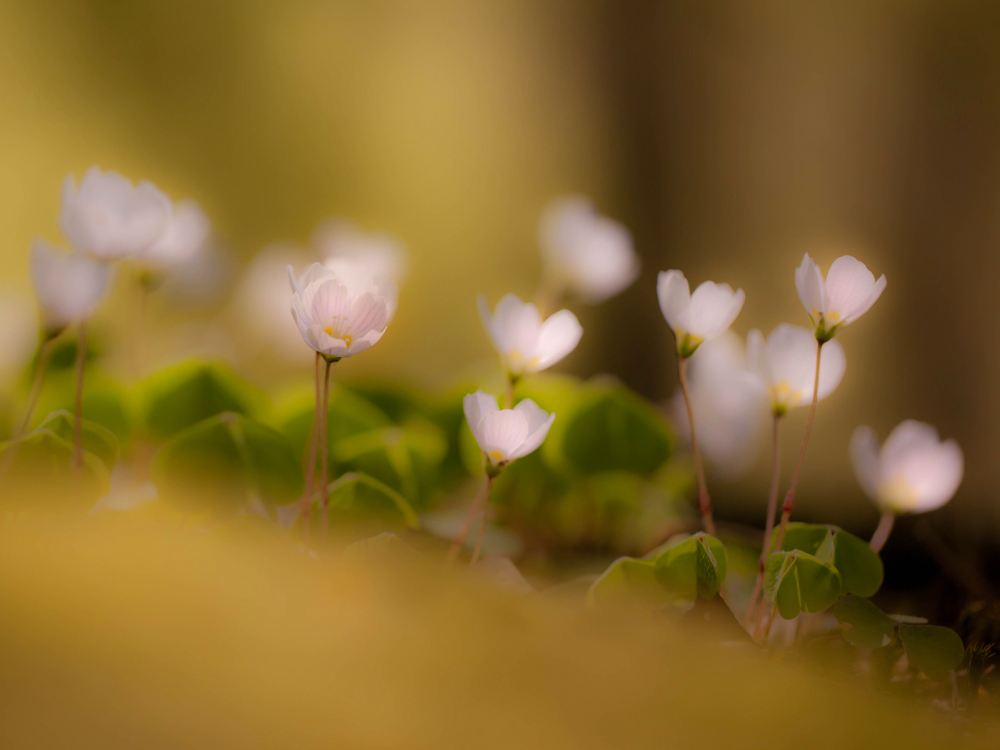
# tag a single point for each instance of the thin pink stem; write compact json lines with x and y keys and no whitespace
{"x":704,"y":501}
{"x":789,"y":504}
{"x":772,"y":507}
{"x":883,"y":530}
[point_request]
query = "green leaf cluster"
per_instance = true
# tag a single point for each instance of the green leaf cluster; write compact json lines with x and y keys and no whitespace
{"x":816,"y":565}
{"x":932,"y":648}
{"x":684,"y":569}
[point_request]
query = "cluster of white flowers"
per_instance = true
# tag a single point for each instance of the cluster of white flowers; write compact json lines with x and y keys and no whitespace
{"x":732,"y":392}
{"x":106,"y":218}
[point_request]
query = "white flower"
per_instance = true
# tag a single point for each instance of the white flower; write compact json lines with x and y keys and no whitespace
{"x":508,"y":434}
{"x":183,"y":237}
{"x":109,"y":218}
{"x":378,"y":254}
{"x":340,"y":312}
{"x":524,"y":342}
{"x":68,"y":287}
{"x":913,"y":472}
{"x":697,"y":317}
{"x":730,"y":406}
{"x":846,"y":294}
{"x":258,"y":316}
{"x":786,"y":365}
{"x":587,"y":254}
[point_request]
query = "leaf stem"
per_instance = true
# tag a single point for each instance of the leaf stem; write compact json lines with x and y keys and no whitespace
{"x":882,"y":531}
{"x":772,"y":508}
{"x":789,"y":504}
{"x":704,"y":501}
{"x":81,"y":355}
{"x":310,"y":467}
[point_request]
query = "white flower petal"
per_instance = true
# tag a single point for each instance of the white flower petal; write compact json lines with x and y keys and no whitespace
{"x":501,"y":433}
{"x":589,"y":255}
{"x":537,"y":430}
{"x":849,"y":286}
{"x":809,"y":283}
{"x":477,"y":405}
{"x":68,"y":287}
{"x":865,"y":455}
{"x":675,"y":299}
{"x":866,"y":305}
{"x":714,"y":307}
{"x":109,"y":218}
{"x":183,"y":237}
{"x":557,"y":337}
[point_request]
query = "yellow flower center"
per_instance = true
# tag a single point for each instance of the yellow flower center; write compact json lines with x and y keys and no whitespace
{"x":898,"y":494}
{"x":329,"y":332}
{"x":496,"y":455}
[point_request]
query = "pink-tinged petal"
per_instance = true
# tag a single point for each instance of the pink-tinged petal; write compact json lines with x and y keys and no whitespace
{"x":477,"y":405}
{"x":368,"y":313}
{"x":329,"y":304}
{"x":68,"y":286}
{"x":516,"y":325}
{"x":557,"y":337}
{"x":849,"y":286}
{"x":865,"y":458}
{"x":866,"y":305}
{"x":714,"y":307}
{"x":937,"y":475}
{"x":293,"y":282}
{"x":810,"y":286}
{"x":906,"y":438}
{"x":675,"y":299}
{"x":539,"y":422}
{"x":501,"y":433}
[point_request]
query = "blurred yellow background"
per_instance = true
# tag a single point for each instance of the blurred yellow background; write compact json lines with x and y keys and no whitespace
{"x":729,"y":136}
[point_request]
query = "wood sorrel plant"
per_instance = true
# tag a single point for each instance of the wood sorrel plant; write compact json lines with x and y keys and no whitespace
{"x":503,"y":436}
{"x":694,"y":319}
{"x":785,"y":365}
{"x":341,"y":309}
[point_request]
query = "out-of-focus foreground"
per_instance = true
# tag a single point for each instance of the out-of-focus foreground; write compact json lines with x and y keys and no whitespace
{"x":118,"y":633}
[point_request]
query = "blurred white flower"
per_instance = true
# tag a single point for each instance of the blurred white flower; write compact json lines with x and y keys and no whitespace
{"x":508,"y":434}
{"x":526,"y":343}
{"x":183,"y":237}
{"x":107,"y":217}
{"x":68,"y":286}
{"x":849,"y":290}
{"x":730,"y":406}
{"x":913,"y":472}
{"x":377,"y":254}
{"x":698,"y":317}
{"x":19,"y":331}
{"x":340,"y":311}
{"x":786,"y":365}
{"x":584,"y":253}
{"x":258,"y":314}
